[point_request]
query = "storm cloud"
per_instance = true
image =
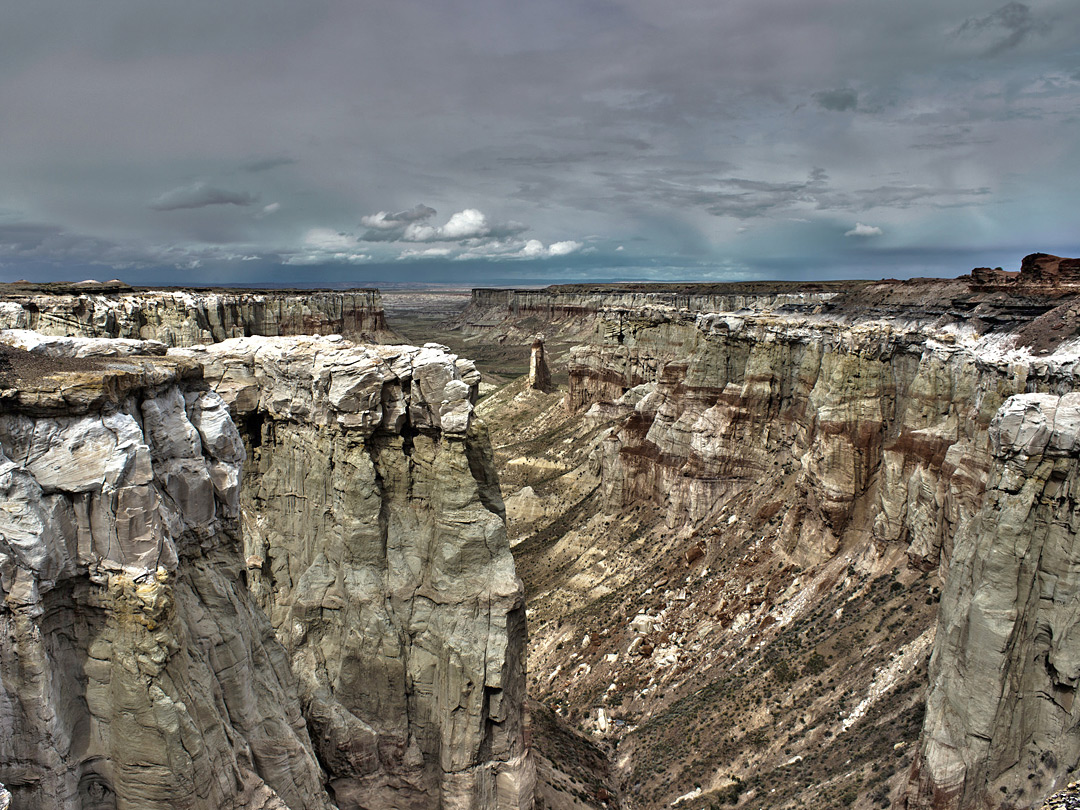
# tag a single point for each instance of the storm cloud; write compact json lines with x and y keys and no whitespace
{"x":1008,"y":26}
{"x":565,"y":139}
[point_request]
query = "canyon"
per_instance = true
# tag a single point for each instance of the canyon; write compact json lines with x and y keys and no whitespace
{"x":779,"y":545}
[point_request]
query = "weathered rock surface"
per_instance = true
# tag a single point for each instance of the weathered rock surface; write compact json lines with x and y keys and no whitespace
{"x":1002,"y":717}
{"x":191,"y":317}
{"x":343,"y":614}
{"x":1066,"y":799}
{"x":375,"y":541}
{"x":877,"y":428}
{"x":137,"y":670}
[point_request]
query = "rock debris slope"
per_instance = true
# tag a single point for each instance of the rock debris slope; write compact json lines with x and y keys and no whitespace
{"x":317,"y":610}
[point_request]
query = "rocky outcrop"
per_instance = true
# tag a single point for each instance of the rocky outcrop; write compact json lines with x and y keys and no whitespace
{"x":1042,"y":268}
{"x":336,"y":625}
{"x":1002,"y":717}
{"x":375,"y":542}
{"x":191,"y":317}
{"x":1065,"y":799}
{"x":539,"y":373}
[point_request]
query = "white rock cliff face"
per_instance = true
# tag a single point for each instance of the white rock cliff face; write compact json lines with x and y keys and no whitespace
{"x":903,"y":423}
{"x":138,"y":671}
{"x":375,"y":541}
{"x":1002,"y":717}
{"x":359,"y":643}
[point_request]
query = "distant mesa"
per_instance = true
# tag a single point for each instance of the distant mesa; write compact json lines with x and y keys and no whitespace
{"x":1037,"y":269}
{"x":1042,"y":268}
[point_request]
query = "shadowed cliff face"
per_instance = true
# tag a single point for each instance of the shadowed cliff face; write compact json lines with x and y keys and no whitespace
{"x":375,"y":542}
{"x":336,"y":625}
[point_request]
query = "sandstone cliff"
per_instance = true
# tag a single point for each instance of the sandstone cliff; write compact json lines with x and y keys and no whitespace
{"x":137,"y":671}
{"x":375,"y":542}
{"x":190,"y":317}
{"x":337,"y":624}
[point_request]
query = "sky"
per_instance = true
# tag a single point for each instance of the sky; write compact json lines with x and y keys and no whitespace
{"x":503,"y":142}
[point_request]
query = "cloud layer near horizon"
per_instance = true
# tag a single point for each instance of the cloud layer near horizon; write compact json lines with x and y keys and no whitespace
{"x":754,"y":138}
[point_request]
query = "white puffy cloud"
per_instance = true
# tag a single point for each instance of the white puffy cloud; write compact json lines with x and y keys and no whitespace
{"x":864,"y":230}
{"x":466,"y":226}
{"x":518,"y":249}
{"x":425,"y":253}
{"x":564,"y":248}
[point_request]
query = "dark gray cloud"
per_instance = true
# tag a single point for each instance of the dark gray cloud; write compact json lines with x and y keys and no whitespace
{"x":266,"y":164}
{"x":1008,"y":26}
{"x":201,"y":195}
{"x":840,"y":100}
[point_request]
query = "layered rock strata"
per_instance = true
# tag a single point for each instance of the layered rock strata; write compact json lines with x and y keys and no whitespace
{"x":191,"y":317}
{"x":878,"y":428}
{"x":363,"y":632}
{"x":889,"y":433}
{"x":571,"y":309}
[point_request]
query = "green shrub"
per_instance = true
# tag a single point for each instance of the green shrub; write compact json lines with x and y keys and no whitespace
{"x":815,"y":665}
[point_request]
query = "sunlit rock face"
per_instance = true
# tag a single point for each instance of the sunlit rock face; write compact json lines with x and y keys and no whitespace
{"x":317,"y":610}
{"x":190,"y":317}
